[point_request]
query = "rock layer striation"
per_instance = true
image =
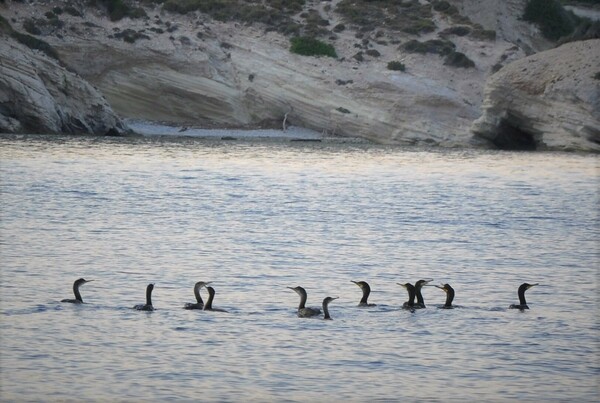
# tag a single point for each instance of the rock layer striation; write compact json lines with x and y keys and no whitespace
{"x":38,"y":95}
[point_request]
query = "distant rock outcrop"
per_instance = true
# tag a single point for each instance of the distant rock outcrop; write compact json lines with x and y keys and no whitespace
{"x":548,"y":101}
{"x":37,"y":95}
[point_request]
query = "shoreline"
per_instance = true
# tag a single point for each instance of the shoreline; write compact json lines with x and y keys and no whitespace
{"x":292,"y":133}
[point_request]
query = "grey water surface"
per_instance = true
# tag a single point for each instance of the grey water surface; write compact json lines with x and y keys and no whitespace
{"x":255,"y":217}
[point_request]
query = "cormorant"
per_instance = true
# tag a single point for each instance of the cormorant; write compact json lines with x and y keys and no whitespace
{"x":522,"y":303}
{"x":418,"y":285}
{"x":148,"y":306}
{"x":199,"y":303}
{"x":366,"y":290}
{"x":449,"y":295}
{"x":303,"y":311}
{"x":410,"y":304}
{"x":326,"y":302}
{"x":76,"y":285}
{"x":211,"y":295}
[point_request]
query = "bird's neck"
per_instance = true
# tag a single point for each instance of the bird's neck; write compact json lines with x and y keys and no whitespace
{"x":211,"y":296}
{"x":365,"y":296}
{"x":411,"y":297}
{"x":449,"y":298}
{"x":303,"y":298}
{"x":522,"y":297}
{"x":149,"y":296}
{"x":197,"y":294}
{"x":419,"y":295}
{"x":76,"y":292}
{"x":326,"y":312}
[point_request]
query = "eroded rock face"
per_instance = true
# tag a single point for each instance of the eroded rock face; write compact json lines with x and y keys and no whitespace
{"x":37,"y":95}
{"x":548,"y":101}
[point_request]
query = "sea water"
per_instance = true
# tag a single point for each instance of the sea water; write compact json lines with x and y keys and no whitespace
{"x":258,"y":216}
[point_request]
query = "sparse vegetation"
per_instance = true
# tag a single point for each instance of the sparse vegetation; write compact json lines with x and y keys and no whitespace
{"x":404,"y":16}
{"x":396,"y":66}
{"x":458,"y":59}
{"x":130,"y":36}
{"x":444,"y":7}
{"x":72,"y":11}
{"x":31,"y":27}
{"x":457,"y":30}
{"x":440,"y":47}
{"x":436,"y":46}
{"x":483,"y":34}
{"x":276,"y":14}
{"x":339,"y":28}
{"x":119,"y":9}
{"x":34,"y":43}
{"x":307,"y":46}
{"x":551,"y":17}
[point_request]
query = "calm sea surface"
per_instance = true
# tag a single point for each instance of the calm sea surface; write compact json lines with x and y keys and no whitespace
{"x":255,"y":217}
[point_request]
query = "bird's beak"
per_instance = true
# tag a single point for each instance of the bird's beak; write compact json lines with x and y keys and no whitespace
{"x":334,"y":297}
{"x":441,"y":287}
{"x":88,"y":281}
{"x":402,"y":285}
{"x":532,"y":285}
{"x":355,"y":282}
{"x":291,"y":288}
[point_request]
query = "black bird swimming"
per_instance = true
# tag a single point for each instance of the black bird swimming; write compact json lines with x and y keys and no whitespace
{"x":410,"y":304}
{"x":418,"y":285}
{"x":303,"y":311}
{"x":76,"y":285}
{"x":148,"y":306}
{"x":522,"y":303}
{"x":449,"y":295}
{"x":211,"y":295}
{"x":326,"y":302}
{"x":199,"y":303}
{"x":366,"y":290}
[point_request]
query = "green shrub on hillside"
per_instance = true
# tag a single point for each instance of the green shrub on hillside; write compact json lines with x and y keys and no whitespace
{"x":307,"y":46}
{"x":458,"y":59}
{"x":119,"y":9}
{"x":437,"y":46}
{"x":550,"y":16}
{"x":444,"y":7}
{"x":396,"y":66}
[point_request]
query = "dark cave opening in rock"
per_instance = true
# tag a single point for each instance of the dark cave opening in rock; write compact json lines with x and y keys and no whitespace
{"x":512,"y":137}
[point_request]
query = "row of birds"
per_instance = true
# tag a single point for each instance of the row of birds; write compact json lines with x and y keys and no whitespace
{"x":414,"y":292}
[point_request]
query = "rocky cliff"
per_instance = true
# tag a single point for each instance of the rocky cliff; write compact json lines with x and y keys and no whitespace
{"x":194,"y":70}
{"x":37,"y":95}
{"x":550,"y":100}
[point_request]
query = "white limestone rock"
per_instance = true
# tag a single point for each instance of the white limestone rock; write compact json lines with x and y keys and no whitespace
{"x":37,"y":95}
{"x":550,"y":100}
